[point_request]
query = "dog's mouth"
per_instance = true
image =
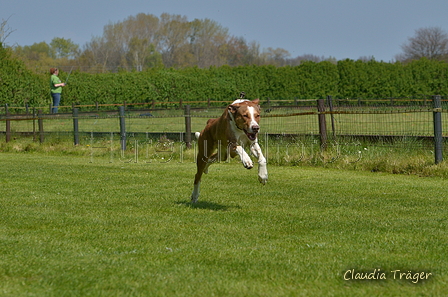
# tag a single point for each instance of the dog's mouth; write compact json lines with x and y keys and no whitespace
{"x":251,"y":136}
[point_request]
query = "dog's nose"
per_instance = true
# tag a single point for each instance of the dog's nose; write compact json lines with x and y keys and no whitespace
{"x":255,"y":128}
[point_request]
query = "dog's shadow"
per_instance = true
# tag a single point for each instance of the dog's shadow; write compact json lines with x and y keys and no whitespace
{"x":207,"y":205}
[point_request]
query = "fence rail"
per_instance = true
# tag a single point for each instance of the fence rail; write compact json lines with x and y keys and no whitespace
{"x":210,"y":103}
{"x":326,"y":119}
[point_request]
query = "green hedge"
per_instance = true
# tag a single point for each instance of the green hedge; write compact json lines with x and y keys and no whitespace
{"x":18,"y":85}
{"x":346,"y":79}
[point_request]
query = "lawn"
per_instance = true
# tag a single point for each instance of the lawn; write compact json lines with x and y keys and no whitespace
{"x":70,"y":227}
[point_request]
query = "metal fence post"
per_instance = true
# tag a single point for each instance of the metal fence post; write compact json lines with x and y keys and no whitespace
{"x":438,"y":139}
{"x":122,"y":128}
{"x":187,"y":126}
{"x":75,"y":126}
{"x":322,"y":123}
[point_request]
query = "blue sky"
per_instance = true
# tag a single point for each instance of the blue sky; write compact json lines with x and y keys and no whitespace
{"x":337,"y":28}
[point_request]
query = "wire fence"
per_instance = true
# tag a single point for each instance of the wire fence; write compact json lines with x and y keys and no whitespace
{"x":301,"y":125}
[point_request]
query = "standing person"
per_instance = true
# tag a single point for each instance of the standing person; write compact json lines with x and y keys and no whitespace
{"x":56,"y":89}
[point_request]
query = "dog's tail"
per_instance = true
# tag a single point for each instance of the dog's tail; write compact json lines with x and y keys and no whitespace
{"x":197,"y":134}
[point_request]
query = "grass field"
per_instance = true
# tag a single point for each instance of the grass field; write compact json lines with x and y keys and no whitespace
{"x":74,"y":228}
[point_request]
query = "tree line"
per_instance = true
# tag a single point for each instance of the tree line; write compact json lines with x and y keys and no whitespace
{"x":144,"y":41}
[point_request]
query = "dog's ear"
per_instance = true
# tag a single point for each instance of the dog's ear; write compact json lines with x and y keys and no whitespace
{"x":233,"y":108}
{"x":256,"y":101}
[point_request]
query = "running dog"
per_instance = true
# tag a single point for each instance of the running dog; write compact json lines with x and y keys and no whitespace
{"x":230,"y":134}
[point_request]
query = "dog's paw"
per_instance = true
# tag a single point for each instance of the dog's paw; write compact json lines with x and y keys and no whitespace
{"x":262,"y":175}
{"x":195,"y":194}
{"x":247,"y":163}
{"x":263,"y":179}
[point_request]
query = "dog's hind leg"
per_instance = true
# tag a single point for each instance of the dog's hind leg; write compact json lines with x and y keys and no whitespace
{"x":202,"y":162}
{"x":201,"y":165}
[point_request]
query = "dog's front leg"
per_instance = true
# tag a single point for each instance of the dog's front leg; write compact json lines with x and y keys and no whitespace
{"x":245,"y":159}
{"x":262,"y":164}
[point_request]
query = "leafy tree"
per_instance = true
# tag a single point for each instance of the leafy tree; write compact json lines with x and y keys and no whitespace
{"x":36,"y":56}
{"x":138,"y":38}
{"x":34,"y":52}
{"x":207,"y":40}
{"x":63,"y":48}
{"x":144,"y":40}
{"x":175,"y":32}
{"x":132,"y":43}
{"x":277,"y":56}
{"x":238,"y":52}
{"x":96,"y":54}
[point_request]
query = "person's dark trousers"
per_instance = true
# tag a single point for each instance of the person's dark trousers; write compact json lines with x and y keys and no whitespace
{"x":56,"y":101}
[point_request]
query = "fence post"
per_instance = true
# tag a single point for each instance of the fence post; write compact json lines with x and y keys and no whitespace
{"x":75,"y":126}
{"x":438,"y":139}
{"x":8,"y":124}
{"x":40,"y":123}
{"x":187,"y":126}
{"x":34,"y":124}
{"x":122,"y":128}
{"x":322,"y":123}
{"x":330,"y":105}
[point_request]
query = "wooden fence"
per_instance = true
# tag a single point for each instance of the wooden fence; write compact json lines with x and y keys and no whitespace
{"x":326,"y":119}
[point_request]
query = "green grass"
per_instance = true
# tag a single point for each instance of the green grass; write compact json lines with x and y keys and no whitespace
{"x":74,"y":228}
{"x":406,"y":155}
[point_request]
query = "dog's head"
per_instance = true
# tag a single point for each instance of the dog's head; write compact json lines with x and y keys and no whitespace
{"x":246,"y":115}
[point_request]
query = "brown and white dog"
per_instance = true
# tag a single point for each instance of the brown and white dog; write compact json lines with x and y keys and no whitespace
{"x":230,"y":134}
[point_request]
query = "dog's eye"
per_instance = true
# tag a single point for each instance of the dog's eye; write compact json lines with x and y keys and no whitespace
{"x":246,"y":116}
